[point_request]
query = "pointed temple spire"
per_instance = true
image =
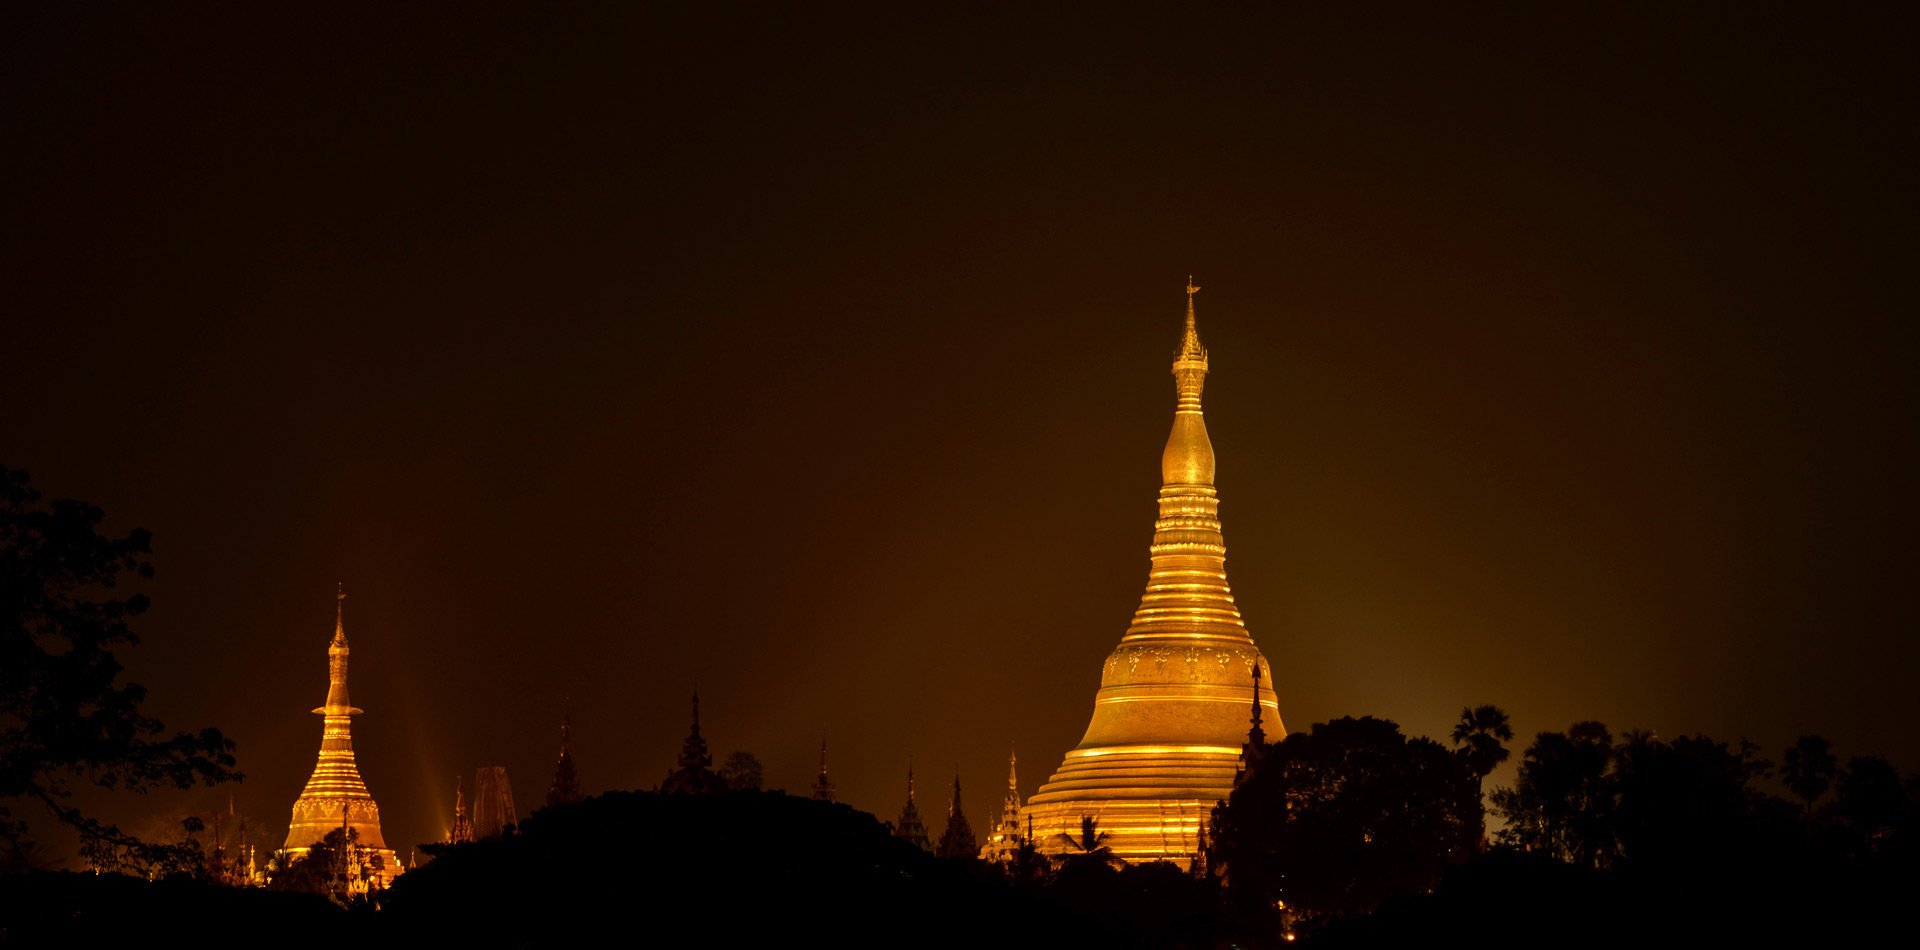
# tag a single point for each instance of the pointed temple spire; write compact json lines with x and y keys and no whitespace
{"x":695,"y":776}
{"x":566,"y":785}
{"x":910,"y":827}
{"x":462,"y":829}
{"x":957,"y":841}
{"x":1165,"y":739}
{"x":823,"y":786}
{"x":1190,"y":348}
{"x":1256,"y":745}
{"x":1255,"y":735}
{"x":1004,"y":837}
{"x":335,"y":796}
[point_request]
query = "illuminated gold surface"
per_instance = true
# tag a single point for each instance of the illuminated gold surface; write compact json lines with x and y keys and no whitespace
{"x":335,"y":797}
{"x":1171,"y":714}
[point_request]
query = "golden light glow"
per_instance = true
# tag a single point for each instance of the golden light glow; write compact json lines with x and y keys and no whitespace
{"x":1176,"y":694}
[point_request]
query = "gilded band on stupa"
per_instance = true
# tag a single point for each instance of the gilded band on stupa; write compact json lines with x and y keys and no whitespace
{"x":1170,"y":717}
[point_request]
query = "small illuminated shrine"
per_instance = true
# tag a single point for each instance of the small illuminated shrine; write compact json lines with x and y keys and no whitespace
{"x":335,"y":797}
{"x":1007,"y":832}
{"x":1170,"y":718}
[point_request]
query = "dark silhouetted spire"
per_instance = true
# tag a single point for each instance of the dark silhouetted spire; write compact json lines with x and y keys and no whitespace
{"x":1256,"y":745}
{"x":910,"y":826}
{"x":695,"y":776}
{"x":823,"y":786}
{"x":957,"y":841}
{"x":566,"y":785}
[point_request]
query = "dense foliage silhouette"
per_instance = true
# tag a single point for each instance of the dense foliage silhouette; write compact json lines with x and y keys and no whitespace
{"x":1365,"y":835}
{"x":62,"y":716}
{"x":1338,"y":819}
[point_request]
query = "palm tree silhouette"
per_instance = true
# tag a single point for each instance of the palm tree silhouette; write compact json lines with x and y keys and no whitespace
{"x":1090,"y":844}
{"x":1808,"y":768}
{"x":1482,"y":729}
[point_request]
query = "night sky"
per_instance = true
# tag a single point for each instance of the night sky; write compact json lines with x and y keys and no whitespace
{"x":820,"y":358}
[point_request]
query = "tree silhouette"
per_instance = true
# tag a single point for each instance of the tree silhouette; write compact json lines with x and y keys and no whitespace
{"x":63,"y":716}
{"x":1808,"y":767}
{"x":1027,"y":866}
{"x":741,"y":771}
{"x":1687,"y":806}
{"x":1483,"y":730}
{"x":1340,"y":818}
{"x":1561,"y":801}
{"x":1091,"y":843}
{"x":1875,"y":803}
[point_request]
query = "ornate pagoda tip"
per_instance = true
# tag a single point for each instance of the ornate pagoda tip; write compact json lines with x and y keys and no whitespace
{"x":1190,"y":348}
{"x":340,"y":613}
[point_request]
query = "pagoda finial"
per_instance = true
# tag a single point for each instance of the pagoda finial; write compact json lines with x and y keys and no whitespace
{"x":340,"y":611}
{"x":823,"y":788}
{"x":1190,"y":348}
{"x":1188,"y":458}
{"x":565,"y":789}
{"x":696,"y":711}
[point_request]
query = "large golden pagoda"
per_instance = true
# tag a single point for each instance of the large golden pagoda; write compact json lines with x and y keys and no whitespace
{"x":1171,"y":717}
{"x":335,"y":797}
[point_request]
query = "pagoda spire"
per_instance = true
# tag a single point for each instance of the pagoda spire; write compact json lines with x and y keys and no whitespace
{"x":823,"y":786}
{"x":957,"y":841}
{"x":695,"y":775}
{"x":335,"y":796}
{"x":1190,"y":348}
{"x":462,"y":828}
{"x":910,"y":827}
{"x":1164,"y":742}
{"x":566,"y":784}
{"x":1256,"y":745}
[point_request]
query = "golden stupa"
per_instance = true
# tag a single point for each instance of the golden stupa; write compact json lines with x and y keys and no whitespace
{"x":335,"y":796}
{"x":1172,"y":711}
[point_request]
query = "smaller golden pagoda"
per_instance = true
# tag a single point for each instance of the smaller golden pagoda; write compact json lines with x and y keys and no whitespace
{"x":461,"y":831}
{"x":1004,"y":836}
{"x":335,"y":797}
